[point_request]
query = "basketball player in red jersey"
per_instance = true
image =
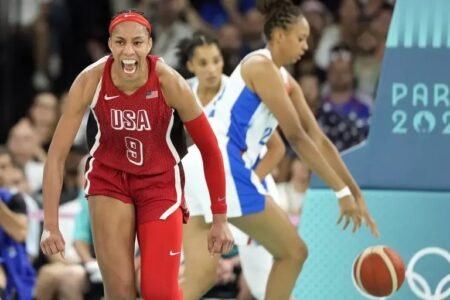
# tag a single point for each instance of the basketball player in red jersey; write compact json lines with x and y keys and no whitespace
{"x":134,"y":177}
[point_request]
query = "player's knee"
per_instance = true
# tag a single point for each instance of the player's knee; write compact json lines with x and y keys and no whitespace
{"x":74,"y":280}
{"x":296,"y":252}
{"x":299,"y":252}
{"x":49,"y":273}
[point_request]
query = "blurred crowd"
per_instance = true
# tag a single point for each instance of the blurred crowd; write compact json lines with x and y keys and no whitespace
{"x":44,"y":44}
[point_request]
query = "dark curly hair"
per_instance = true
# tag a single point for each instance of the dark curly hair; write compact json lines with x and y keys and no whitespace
{"x":186,"y":48}
{"x":278,"y":14}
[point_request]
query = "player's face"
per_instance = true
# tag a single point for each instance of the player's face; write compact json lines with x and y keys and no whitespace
{"x":207,"y":65}
{"x":130,"y":44}
{"x":295,"y":40}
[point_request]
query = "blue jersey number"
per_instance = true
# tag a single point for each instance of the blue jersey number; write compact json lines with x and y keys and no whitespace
{"x":266,"y":136}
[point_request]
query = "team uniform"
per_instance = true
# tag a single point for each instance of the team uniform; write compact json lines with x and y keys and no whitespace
{"x":243,"y":125}
{"x":136,"y":144}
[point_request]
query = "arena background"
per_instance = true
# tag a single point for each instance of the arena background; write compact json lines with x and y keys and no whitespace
{"x":403,"y":168}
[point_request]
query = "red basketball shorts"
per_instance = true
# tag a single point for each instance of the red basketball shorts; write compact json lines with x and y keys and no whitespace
{"x":155,"y":196}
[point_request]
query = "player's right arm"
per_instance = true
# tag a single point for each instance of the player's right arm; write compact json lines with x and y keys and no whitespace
{"x":263,"y":77}
{"x":80,"y":96}
{"x":275,"y":153}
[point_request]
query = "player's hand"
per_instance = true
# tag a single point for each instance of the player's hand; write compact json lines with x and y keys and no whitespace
{"x":366,"y":217}
{"x":52,"y":242}
{"x":220,"y":239}
{"x":349,"y":212}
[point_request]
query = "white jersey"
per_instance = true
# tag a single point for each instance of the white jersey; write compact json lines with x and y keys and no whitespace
{"x":209,"y":109}
{"x":242,"y":118}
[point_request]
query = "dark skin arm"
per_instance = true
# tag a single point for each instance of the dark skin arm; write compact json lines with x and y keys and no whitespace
{"x":257,"y":72}
{"x":80,"y":96}
{"x":275,"y":153}
{"x":328,"y":150}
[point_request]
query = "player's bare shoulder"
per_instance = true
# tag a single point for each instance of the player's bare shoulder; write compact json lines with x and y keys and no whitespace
{"x":171,"y":82}
{"x":164,"y":72}
{"x":88,"y":80}
{"x":255,"y":68}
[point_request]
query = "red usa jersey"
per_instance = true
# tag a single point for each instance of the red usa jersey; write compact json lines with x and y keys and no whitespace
{"x":138,"y":133}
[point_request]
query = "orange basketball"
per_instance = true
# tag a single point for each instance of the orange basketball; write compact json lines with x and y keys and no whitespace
{"x":379,"y":271}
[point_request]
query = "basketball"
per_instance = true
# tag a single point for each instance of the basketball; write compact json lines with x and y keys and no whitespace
{"x":379,"y":271}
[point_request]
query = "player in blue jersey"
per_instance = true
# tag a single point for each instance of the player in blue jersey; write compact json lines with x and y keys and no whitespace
{"x":261,"y":95}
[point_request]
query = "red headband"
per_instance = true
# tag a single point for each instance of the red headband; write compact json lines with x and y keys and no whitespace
{"x":131,"y":17}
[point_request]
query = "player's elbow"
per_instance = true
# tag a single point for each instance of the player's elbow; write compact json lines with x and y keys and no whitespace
{"x":296,"y":136}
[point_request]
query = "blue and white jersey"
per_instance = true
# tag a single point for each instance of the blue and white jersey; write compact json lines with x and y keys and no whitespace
{"x":241,"y":118}
{"x":209,"y":109}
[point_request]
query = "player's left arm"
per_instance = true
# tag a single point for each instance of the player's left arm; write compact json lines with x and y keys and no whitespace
{"x":327,"y":148}
{"x":275,"y":153}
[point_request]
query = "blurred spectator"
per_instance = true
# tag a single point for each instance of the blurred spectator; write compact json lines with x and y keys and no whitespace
{"x":230,"y":42}
{"x":44,"y":114}
{"x":343,"y":31}
{"x":342,"y":131}
{"x":169,"y":29}
{"x":371,"y":8}
{"x":29,"y":20}
{"x":230,"y":282}
{"x":80,"y":138}
{"x":292,"y":193}
{"x":367,"y":65}
{"x":71,"y":183}
{"x":221,"y":12}
{"x":23,"y":145}
{"x":16,"y":273}
{"x":341,"y":92}
{"x":16,"y":181}
{"x":253,"y":26}
{"x":381,"y":26}
{"x":310,"y":85}
{"x":81,"y":36}
{"x":317,"y":15}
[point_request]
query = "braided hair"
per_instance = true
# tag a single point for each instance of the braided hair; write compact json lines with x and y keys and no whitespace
{"x":278,"y":14}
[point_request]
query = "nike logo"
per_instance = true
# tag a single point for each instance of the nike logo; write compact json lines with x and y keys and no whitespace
{"x":111,"y":97}
{"x":171,"y":253}
{"x":221,"y":199}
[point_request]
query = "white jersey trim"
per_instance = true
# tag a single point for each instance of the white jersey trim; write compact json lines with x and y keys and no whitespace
{"x":97,"y":136}
{"x":97,"y":93}
{"x":86,"y":176}
{"x":179,"y":192}
{"x":95,"y":64}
